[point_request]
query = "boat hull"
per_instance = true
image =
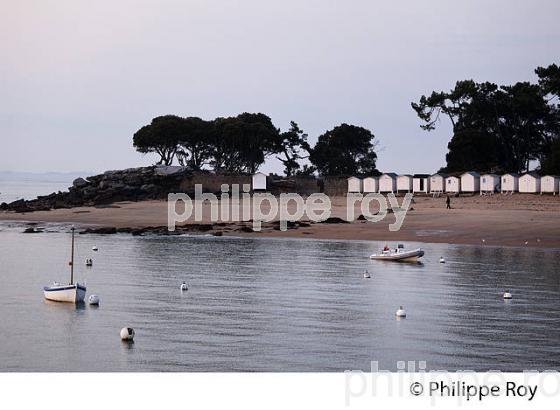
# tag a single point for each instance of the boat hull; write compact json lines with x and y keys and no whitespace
{"x":65,"y":293}
{"x":408,"y":256}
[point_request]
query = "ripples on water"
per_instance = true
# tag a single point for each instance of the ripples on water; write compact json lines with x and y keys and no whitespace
{"x":275,"y":305}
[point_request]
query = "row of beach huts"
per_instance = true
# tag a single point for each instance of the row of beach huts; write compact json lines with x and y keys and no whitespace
{"x":468,"y":182}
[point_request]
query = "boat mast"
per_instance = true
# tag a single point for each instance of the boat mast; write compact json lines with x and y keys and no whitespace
{"x":72,"y":260}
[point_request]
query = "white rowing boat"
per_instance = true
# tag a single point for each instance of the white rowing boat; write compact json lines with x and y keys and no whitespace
{"x":398,"y":255}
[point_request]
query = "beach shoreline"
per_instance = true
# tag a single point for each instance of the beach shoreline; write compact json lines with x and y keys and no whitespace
{"x":518,"y":220}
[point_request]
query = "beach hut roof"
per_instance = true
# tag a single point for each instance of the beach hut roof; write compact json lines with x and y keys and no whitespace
{"x":390,"y":174}
{"x":490,"y":175}
{"x":349,"y":178}
{"x":532,"y":173}
{"x":513,"y":174}
{"x":473,"y":173}
{"x":405,"y":175}
{"x":421,"y":176}
{"x":441,"y":174}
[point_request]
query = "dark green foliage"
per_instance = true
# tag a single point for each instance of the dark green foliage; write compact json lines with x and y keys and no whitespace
{"x":234,"y":144}
{"x":161,"y":136}
{"x":195,"y":143}
{"x":550,"y":165}
{"x":241,"y":144}
{"x":345,"y":150}
{"x":291,"y":145}
{"x":496,"y":128}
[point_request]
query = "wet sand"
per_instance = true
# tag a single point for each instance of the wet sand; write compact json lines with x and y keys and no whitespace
{"x":492,"y":220}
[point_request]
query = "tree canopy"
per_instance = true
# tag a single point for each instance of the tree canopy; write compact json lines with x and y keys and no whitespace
{"x":345,"y":150}
{"x":233,"y":144}
{"x":496,"y":128}
{"x":195,"y":142}
{"x":161,"y":136}
{"x":291,"y":147}
{"x":242,"y":143}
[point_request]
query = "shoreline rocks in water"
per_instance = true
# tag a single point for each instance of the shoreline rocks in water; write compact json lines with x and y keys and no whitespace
{"x":217,"y":229}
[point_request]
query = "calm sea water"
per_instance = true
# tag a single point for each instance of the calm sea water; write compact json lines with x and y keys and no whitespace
{"x":274,"y":305}
{"x":14,"y":187}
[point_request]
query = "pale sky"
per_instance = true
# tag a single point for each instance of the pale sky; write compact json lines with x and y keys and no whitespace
{"x":78,"y":78}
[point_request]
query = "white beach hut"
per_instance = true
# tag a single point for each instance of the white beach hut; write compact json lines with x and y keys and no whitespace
{"x":453,"y":184}
{"x":509,"y":183}
{"x":259,"y":182}
{"x":404,"y":183}
{"x":437,"y":183}
{"x":470,"y":182}
{"x":388,"y":182}
{"x":529,"y":183}
{"x":370,"y":185}
{"x":489,"y":183}
{"x":354,"y":185}
{"x":421,"y":183}
{"x":550,"y":184}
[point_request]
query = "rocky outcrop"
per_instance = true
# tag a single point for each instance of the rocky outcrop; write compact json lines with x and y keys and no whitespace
{"x":133,"y":184}
{"x":155,"y":182}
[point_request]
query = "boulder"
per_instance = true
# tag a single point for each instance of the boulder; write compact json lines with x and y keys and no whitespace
{"x":132,"y":179}
{"x":168,"y":170}
{"x":149,"y":188}
{"x":89,"y":192}
{"x":19,"y":206}
{"x":335,"y":220}
{"x":79,"y":183}
{"x":101,"y":231}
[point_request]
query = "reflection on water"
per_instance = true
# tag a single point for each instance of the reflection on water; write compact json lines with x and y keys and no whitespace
{"x":275,"y":305}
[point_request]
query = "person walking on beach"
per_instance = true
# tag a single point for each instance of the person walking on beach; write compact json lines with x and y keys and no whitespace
{"x":448,"y":202}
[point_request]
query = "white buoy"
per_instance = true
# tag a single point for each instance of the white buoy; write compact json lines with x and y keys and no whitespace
{"x":93,"y":300}
{"x":526,"y":242}
{"x":366,"y":275}
{"x":484,"y":240}
{"x":184,"y":286}
{"x":89,"y":262}
{"x":507,"y":295}
{"x":127,"y":334}
{"x":401,"y":312}
{"x":94,"y":248}
{"x":441,"y":260}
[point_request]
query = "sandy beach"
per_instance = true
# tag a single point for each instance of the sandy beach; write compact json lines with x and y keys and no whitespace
{"x":492,"y":220}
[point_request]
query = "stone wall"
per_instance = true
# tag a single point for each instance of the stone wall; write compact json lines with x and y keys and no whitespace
{"x":212,"y":182}
{"x":335,"y":186}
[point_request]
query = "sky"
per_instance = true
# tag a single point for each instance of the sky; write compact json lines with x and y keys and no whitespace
{"x":78,"y":78}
